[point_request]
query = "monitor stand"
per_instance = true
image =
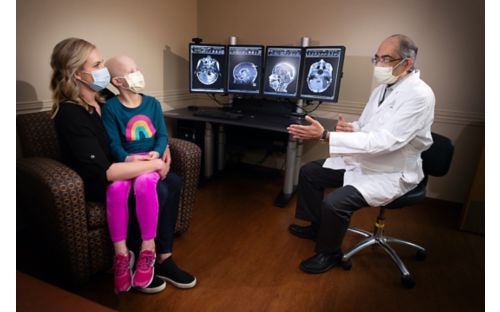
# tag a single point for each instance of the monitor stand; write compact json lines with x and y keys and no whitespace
{"x":299,"y":118}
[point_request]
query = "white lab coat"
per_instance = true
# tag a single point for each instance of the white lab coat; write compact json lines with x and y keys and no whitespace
{"x":382,"y":157}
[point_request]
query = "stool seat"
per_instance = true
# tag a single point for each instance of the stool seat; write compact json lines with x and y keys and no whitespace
{"x":415,"y":196}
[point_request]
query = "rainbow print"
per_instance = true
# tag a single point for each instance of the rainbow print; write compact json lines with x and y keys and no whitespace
{"x":139,"y":127}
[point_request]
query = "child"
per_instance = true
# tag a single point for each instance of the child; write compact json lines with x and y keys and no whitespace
{"x":136,"y":127}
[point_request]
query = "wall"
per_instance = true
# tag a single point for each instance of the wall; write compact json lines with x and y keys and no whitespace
{"x":154,"y":32}
{"x":450,"y":37}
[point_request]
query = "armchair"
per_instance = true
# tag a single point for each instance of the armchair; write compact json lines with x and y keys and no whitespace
{"x":52,"y":195}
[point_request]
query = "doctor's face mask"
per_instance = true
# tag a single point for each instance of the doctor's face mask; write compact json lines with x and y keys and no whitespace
{"x":384,"y":74}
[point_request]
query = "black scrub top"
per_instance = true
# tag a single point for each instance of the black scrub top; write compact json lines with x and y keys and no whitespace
{"x":84,"y":147}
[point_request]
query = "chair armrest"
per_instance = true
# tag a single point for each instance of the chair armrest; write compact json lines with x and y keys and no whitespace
{"x":54,"y":195}
{"x":186,"y":162}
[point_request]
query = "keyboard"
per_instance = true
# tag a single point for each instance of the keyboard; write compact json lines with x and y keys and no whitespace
{"x":218,"y":114}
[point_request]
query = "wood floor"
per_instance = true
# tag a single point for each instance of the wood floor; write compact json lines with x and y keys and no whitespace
{"x":245,"y":260}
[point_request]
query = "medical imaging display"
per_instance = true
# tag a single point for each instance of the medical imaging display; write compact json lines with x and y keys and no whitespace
{"x":207,"y":68}
{"x":322,"y":70}
{"x":244,"y":67}
{"x":281,"y":77}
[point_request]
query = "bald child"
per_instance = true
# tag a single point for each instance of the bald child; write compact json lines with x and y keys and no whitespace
{"x":137,"y":132}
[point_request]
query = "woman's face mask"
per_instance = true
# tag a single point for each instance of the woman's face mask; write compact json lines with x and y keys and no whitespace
{"x":384,"y":74}
{"x":100,"y":77}
{"x":135,"y":81}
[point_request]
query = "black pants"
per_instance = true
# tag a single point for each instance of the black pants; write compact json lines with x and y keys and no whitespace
{"x":330,"y":215}
{"x":168,"y":200}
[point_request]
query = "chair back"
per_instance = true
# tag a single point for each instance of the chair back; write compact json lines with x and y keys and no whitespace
{"x":437,"y":159}
{"x":37,"y":135}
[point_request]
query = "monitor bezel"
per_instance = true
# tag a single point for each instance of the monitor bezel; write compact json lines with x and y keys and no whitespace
{"x":339,"y":77}
{"x":262,"y":70}
{"x":299,"y":74}
{"x":224,"y":78}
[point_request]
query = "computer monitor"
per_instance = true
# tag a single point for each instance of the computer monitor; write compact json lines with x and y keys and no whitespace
{"x":244,"y":69}
{"x":322,"y":71}
{"x":207,"y":68}
{"x":282,"y":74}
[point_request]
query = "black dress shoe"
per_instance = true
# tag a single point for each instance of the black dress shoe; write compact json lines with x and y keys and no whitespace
{"x":307,"y":232}
{"x":321,"y":262}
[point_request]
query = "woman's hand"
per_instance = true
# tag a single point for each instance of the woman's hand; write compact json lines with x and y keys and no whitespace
{"x":308,"y":132}
{"x":164,"y":169}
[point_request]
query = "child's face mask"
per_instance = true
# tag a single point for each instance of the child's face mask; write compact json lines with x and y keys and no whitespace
{"x":135,"y":81}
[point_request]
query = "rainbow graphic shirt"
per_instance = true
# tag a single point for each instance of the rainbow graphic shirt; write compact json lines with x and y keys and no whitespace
{"x":135,"y":130}
{"x":139,"y":127}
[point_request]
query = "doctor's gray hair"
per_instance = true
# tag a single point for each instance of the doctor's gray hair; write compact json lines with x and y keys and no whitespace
{"x":407,"y":48}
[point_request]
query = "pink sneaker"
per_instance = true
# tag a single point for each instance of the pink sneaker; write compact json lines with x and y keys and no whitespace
{"x":144,"y":270}
{"x":123,"y":271}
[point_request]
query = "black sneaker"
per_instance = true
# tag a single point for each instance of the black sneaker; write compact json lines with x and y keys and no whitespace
{"x":156,"y":286}
{"x":168,"y":271}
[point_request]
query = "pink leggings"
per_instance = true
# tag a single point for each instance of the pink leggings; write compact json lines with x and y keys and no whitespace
{"x":146,"y":206}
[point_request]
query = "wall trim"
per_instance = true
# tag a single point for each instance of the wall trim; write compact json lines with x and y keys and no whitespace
{"x":175,"y":98}
{"x":446,"y":116}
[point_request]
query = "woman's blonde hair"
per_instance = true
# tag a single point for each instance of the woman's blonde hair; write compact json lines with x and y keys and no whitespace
{"x":67,"y":57}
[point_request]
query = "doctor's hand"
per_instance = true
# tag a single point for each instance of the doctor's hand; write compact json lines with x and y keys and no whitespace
{"x":306,"y":132}
{"x":343,"y":126}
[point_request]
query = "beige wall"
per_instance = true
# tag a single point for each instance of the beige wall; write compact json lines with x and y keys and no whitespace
{"x":450,"y":37}
{"x":154,"y":32}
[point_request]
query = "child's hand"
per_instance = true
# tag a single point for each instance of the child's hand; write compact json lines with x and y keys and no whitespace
{"x":153,"y":155}
{"x":131,"y":158}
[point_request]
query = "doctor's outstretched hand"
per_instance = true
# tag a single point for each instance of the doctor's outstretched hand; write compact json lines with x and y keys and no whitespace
{"x":343,"y":126}
{"x":306,"y":132}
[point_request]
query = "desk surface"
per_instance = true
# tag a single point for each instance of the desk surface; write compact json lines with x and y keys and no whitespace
{"x":277,"y":123}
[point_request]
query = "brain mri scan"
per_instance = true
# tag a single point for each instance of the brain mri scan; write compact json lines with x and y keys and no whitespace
{"x":245,"y":73}
{"x":207,"y":70}
{"x":319,"y":77}
{"x":281,"y":76}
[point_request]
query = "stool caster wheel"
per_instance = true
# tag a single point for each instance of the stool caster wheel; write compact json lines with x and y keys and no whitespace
{"x":346,"y":265}
{"x":420,"y":256}
{"x":407,"y":282}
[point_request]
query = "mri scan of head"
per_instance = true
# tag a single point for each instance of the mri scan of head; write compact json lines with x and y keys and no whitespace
{"x":320,"y":76}
{"x":245,"y":73}
{"x":281,"y":76}
{"x":207,"y":70}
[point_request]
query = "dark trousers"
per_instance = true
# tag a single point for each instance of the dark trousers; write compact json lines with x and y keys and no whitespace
{"x":330,"y":215}
{"x":169,"y":191}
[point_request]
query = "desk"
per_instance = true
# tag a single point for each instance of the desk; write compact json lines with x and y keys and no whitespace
{"x":271,"y":122}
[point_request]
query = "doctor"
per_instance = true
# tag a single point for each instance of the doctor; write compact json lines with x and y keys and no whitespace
{"x":372,"y":161}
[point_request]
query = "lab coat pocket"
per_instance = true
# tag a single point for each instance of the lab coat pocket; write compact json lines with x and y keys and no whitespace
{"x":413,"y":174}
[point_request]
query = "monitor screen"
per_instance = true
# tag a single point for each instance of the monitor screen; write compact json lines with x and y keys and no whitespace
{"x":282,"y":72}
{"x":322,"y":70}
{"x":244,"y":69}
{"x":207,"y":68}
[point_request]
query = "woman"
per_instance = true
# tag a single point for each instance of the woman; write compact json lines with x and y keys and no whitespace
{"x":78,"y":75}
